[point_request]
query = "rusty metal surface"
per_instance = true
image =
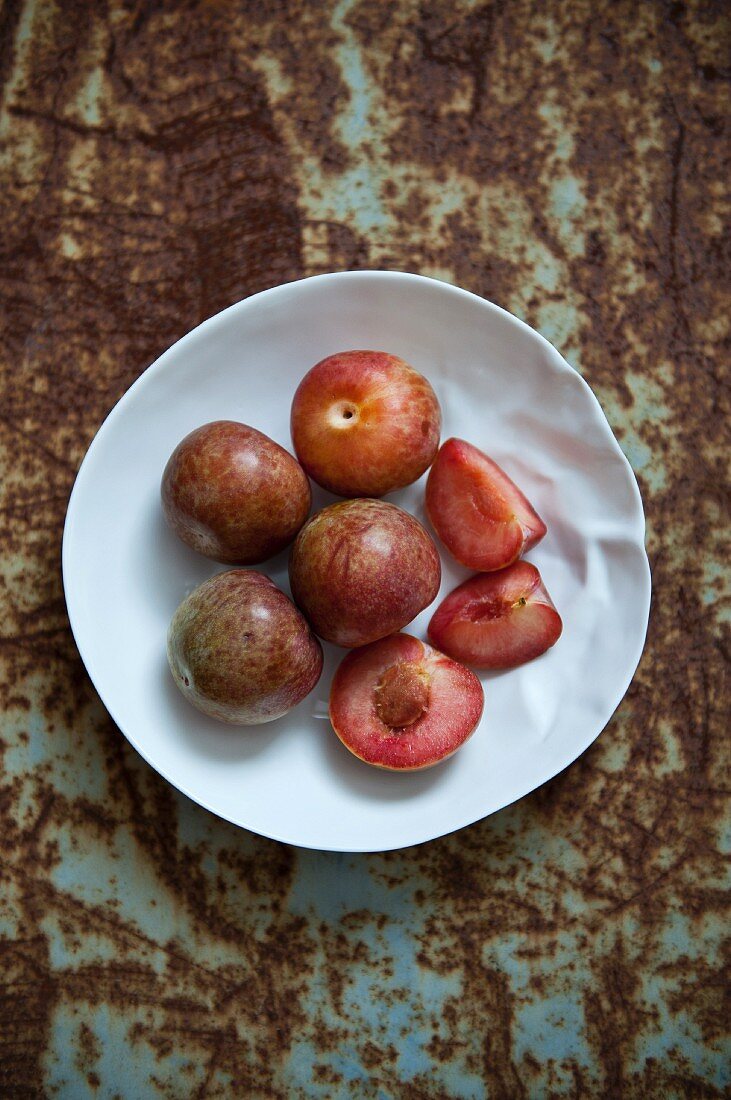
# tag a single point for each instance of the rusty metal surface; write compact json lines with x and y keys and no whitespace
{"x":566,"y":160}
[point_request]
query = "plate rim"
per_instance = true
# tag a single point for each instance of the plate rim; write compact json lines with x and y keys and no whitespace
{"x":637,"y":517}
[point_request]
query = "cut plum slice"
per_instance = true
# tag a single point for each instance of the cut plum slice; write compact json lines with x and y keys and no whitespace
{"x":480,"y":515}
{"x":401,"y":705}
{"x":497,"y":620}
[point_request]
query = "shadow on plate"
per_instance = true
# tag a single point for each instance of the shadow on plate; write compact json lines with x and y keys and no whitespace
{"x":167,"y":569}
{"x":375,"y":784}
{"x":210,"y":738}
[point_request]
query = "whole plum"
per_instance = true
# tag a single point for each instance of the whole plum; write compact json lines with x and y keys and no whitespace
{"x":365,"y":423}
{"x":232,"y":493}
{"x":240,"y":651}
{"x":362,"y":569}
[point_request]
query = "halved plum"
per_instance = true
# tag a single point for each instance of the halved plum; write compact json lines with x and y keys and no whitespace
{"x":399,"y":704}
{"x":497,"y":620}
{"x":480,"y":515}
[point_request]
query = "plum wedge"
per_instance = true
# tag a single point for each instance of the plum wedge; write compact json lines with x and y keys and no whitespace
{"x":401,"y":705}
{"x":480,"y":515}
{"x":497,"y":620}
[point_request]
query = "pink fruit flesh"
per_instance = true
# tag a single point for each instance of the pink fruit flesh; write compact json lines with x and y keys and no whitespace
{"x":497,"y":620}
{"x":365,"y":423}
{"x":480,"y":515}
{"x":233,"y":494}
{"x":401,"y":705}
{"x":362,"y":569}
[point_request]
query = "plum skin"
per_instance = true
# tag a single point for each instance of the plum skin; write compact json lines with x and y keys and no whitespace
{"x":234,"y":495}
{"x":362,"y":569}
{"x":365,"y":423}
{"x":240,"y":651}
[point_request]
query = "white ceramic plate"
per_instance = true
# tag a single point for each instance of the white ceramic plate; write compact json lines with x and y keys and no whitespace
{"x":501,"y":386}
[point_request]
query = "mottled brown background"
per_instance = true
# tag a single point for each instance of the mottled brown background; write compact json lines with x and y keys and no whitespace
{"x":566,"y":160}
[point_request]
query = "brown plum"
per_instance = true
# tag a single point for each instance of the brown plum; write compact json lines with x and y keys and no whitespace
{"x":362,"y":569}
{"x":232,"y":493}
{"x":240,"y":651}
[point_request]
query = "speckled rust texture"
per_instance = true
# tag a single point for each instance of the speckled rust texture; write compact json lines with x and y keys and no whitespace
{"x":567,"y":160}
